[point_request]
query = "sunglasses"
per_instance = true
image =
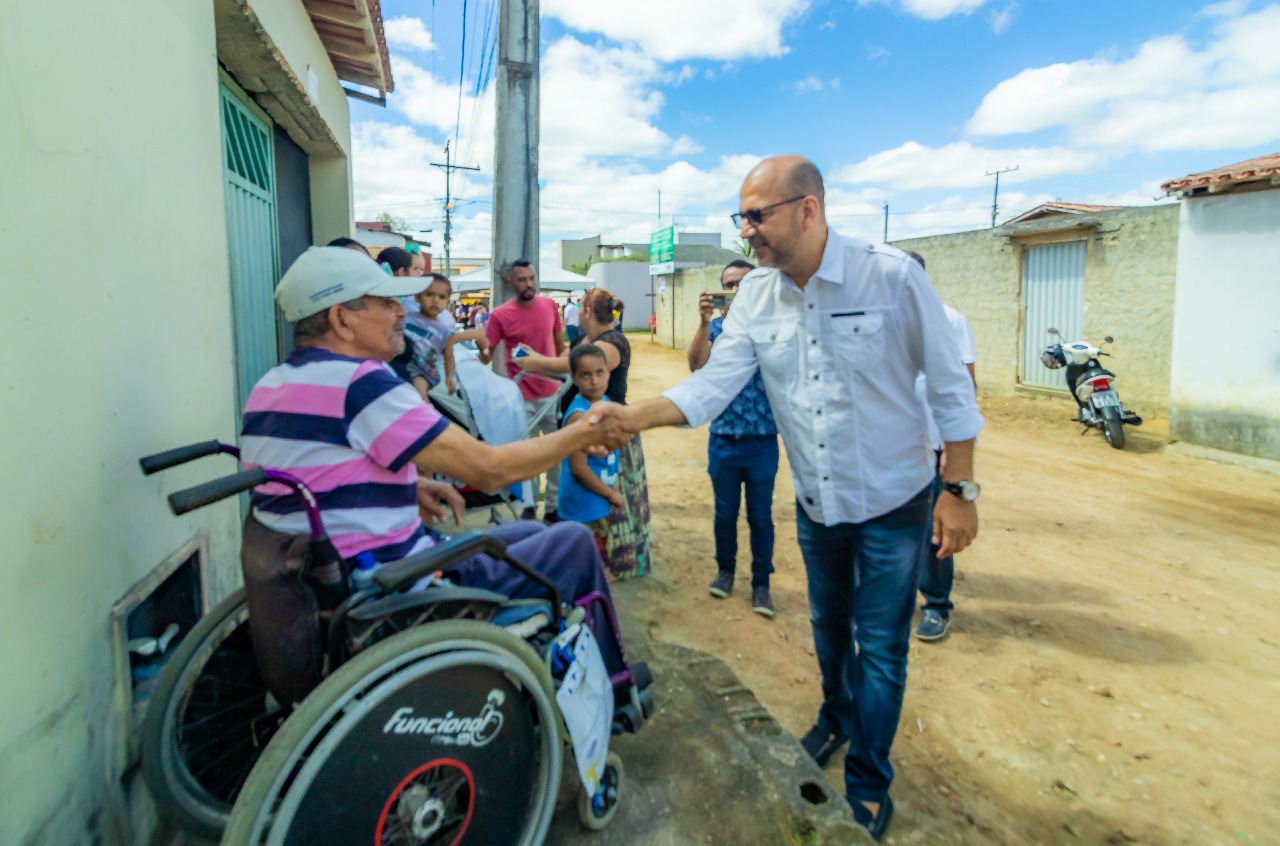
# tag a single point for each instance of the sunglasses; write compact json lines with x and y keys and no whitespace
{"x":756,"y":216}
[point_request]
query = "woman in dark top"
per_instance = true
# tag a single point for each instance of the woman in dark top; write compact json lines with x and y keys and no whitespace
{"x":630,"y":534}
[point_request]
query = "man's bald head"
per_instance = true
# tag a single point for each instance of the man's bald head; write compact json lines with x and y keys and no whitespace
{"x":783,"y":216}
{"x":788,"y":176}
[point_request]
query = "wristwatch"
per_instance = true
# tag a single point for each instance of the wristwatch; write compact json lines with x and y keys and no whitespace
{"x":968,"y":490}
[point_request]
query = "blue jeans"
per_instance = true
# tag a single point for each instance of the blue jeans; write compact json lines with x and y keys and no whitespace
{"x":737,"y":462}
{"x":937,"y":575}
{"x":862,"y":586}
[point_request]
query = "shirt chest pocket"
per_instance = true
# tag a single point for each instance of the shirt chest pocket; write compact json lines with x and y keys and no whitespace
{"x":857,"y":339}
{"x":774,"y":342}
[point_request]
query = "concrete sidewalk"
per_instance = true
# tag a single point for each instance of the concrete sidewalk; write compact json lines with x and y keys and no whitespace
{"x":712,"y":767}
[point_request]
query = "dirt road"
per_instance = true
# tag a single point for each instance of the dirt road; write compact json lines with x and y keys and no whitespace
{"x":1114,"y":662}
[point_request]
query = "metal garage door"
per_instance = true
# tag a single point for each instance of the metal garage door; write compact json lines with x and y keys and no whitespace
{"x":249,"y":192}
{"x":1052,"y":295}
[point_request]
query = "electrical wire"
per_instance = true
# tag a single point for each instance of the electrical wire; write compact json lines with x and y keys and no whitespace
{"x":462,"y":69}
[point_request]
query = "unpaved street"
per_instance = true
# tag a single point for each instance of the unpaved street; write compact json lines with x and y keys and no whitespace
{"x":1114,"y":661}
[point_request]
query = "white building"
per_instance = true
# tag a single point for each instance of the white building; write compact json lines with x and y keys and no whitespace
{"x":194,"y":148}
{"x":1225,"y":381}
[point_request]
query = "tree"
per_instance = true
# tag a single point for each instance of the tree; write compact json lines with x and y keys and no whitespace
{"x":395,"y":224}
{"x":743,"y":249}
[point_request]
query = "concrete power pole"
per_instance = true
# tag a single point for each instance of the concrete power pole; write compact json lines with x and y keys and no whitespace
{"x":515,"y":171}
{"x":995,"y":198}
{"x":448,"y":167}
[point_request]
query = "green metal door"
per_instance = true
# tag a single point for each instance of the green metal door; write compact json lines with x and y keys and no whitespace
{"x":249,"y":192}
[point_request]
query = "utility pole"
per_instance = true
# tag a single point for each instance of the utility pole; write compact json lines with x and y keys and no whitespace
{"x":448,"y":167}
{"x":995,"y":198}
{"x":886,"y":223}
{"x":515,"y":171}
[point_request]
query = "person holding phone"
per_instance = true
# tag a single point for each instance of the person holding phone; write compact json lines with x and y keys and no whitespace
{"x":742,"y":453}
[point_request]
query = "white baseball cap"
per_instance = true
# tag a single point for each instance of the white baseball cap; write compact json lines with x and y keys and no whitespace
{"x":326,"y":276}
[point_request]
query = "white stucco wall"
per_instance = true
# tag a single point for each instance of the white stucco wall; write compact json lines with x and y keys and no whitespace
{"x":627,"y":281}
{"x":1225,"y":382}
{"x":118,"y":343}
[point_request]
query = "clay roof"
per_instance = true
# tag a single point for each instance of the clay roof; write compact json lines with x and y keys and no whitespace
{"x":1263,"y":167}
{"x":352,"y":34}
{"x":1050,"y":209}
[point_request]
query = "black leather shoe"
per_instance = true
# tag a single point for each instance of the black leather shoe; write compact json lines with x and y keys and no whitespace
{"x":880,"y":822}
{"x":821,"y":744}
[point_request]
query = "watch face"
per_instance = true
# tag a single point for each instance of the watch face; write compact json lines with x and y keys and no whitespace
{"x":967,"y":490}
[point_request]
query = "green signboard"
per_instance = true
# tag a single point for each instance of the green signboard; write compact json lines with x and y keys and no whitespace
{"x":662,"y":245}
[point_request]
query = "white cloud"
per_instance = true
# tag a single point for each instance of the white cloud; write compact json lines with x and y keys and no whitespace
{"x":1169,"y":95}
{"x":813,"y":84}
{"x":875,"y":52}
{"x":1001,"y":20}
{"x":1225,"y":9}
{"x":672,"y":30}
{"x":602,"y":159}
{"x":956,"y":213}
{"x":408,"y":34}
{"x":809,"y":85}
{"x":931,"y":10}
{"x":962,"y":165}
{"x":602,"y":101}
{"x":429,"y":101}
{"x":1071,"y":93}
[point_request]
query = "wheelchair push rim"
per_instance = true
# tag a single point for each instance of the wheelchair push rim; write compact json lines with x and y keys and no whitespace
{"x":440,"y":736}
{"x":206,"y":724}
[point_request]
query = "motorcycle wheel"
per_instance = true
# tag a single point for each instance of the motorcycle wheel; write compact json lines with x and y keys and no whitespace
{"x":1113,"y":431}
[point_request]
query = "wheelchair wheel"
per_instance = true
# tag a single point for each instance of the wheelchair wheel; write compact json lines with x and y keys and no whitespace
{"x":596,"y":812}
{"x":208,"y":719}
{"x":444,"y":735}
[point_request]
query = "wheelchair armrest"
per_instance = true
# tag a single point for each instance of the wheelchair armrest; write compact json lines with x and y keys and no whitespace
{"x":434,"y":595}
{"x":403,"y":573}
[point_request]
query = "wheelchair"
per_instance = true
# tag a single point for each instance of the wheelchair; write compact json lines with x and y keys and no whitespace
{"x":415,"y":715}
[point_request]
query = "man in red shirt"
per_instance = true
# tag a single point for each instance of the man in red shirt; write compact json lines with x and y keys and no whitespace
{"x":532,"y":321}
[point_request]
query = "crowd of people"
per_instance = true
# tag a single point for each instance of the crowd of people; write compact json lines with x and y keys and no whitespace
{"x":532,"y":334}
{"x":838,"y":346}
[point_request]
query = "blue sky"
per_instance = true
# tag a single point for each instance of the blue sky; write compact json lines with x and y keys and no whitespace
{"x":904,"y":102}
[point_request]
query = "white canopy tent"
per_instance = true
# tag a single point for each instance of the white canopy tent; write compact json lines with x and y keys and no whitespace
{"x":550,"y":279}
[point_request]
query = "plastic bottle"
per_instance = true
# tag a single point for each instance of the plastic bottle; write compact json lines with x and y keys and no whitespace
{"x":362,"y":572}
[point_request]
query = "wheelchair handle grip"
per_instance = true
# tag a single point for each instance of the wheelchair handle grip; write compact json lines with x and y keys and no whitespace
{"x":180,"y":502}
{"x":181,"y":455}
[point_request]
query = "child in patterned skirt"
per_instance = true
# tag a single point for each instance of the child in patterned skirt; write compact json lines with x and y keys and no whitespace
{"x":588,"y":485}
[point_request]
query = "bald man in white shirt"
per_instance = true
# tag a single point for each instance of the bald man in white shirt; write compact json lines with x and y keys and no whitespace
{"x":839,"y":328}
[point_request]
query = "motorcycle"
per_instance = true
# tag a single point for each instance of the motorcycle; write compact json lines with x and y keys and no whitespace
{"x":1090,"y":384}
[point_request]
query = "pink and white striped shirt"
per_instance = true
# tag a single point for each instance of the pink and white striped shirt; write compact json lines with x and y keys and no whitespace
{"x":349,"y":429}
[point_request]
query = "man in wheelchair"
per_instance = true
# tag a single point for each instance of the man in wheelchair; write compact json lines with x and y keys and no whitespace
{"x":334,"y":415}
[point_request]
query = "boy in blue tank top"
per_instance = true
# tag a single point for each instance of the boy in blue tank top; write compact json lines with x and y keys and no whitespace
{"x":588,"y":484}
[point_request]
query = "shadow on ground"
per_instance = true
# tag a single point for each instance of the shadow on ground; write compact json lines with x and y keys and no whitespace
{"x":712,"y":767}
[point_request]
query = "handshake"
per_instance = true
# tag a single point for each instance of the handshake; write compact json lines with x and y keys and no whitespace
{"x":609,"y":426}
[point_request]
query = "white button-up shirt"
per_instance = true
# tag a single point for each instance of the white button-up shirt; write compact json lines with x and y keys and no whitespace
{"x":839,"y":360}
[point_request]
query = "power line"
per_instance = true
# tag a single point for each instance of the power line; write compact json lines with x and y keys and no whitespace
{"x":462,"y":68}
